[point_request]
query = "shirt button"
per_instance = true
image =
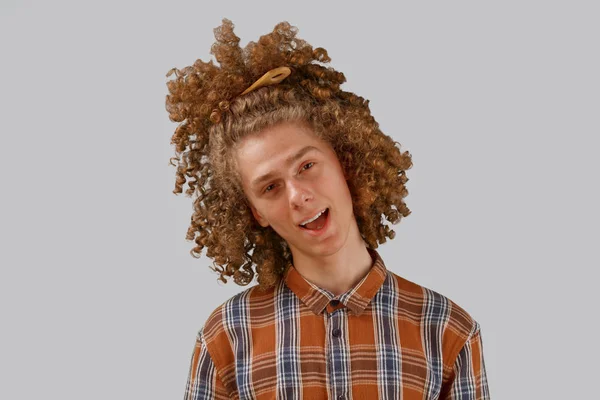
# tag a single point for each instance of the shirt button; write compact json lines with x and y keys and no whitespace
{"x":341,"y":397}
{"x":335,"y":302}
{"x":337,"y":332}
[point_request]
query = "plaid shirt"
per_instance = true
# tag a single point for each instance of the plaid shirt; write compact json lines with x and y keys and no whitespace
{"x":386,"y":338}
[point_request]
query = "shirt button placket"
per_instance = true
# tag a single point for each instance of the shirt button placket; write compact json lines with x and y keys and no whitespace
{"x":336,"y":352}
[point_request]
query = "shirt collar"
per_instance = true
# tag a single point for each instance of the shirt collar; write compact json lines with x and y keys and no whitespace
{"x":356,"y":299}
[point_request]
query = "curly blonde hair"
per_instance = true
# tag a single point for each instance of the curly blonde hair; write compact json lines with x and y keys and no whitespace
{"x":213,"y":119}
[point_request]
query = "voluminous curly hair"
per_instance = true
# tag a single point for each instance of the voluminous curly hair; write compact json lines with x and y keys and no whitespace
{"x":213,"y":119}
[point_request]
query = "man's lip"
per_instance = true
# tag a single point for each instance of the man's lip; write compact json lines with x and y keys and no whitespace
{"x":323,"y":209}
{"x":318,"y":232}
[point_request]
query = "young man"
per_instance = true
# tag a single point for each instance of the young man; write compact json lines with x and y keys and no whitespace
{"x":292,"y":176}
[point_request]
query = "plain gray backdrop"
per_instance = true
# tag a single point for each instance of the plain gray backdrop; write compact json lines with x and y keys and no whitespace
{"x":498,"y":103}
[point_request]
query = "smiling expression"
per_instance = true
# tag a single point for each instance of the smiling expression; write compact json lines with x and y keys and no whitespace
{"x":289,"y":175}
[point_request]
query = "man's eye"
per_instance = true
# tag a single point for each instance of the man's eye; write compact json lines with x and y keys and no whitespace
{"x":308,"y":164}
{"x":305,"y":165}
{"x":266,"y":189}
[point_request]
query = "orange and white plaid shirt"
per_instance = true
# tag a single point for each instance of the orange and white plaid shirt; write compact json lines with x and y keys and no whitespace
{"x":386,"y":338}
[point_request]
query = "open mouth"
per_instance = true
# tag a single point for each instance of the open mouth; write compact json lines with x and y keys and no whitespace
{"x":318,"y":224}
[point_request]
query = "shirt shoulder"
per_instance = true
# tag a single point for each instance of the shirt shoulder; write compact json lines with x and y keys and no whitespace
{"x":228,"y":322}
{"x":238,"y":304}
{"x":439,"y":317}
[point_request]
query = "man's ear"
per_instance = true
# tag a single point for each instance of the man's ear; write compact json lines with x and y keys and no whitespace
{"x":258,"y":217}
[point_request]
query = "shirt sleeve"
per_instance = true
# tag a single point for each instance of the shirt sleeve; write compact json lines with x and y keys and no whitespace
{"x":469,"y":379}
{"x":203,"y":382}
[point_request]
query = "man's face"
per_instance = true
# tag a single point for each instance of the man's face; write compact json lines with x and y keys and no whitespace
{"x":297,"y":188}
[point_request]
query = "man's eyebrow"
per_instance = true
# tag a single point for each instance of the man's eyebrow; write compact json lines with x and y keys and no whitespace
{"x":288,"y":161}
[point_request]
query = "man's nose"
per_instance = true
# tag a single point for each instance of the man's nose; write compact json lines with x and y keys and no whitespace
{"x":299,"y":195}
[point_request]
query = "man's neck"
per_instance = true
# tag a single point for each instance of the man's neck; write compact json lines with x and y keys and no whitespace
{"x":338,"y":272}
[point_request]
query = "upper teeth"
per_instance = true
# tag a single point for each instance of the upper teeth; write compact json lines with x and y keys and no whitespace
{"x":313,"y":218}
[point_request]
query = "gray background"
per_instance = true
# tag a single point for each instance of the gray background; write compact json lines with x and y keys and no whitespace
{"x":498,"y":102}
